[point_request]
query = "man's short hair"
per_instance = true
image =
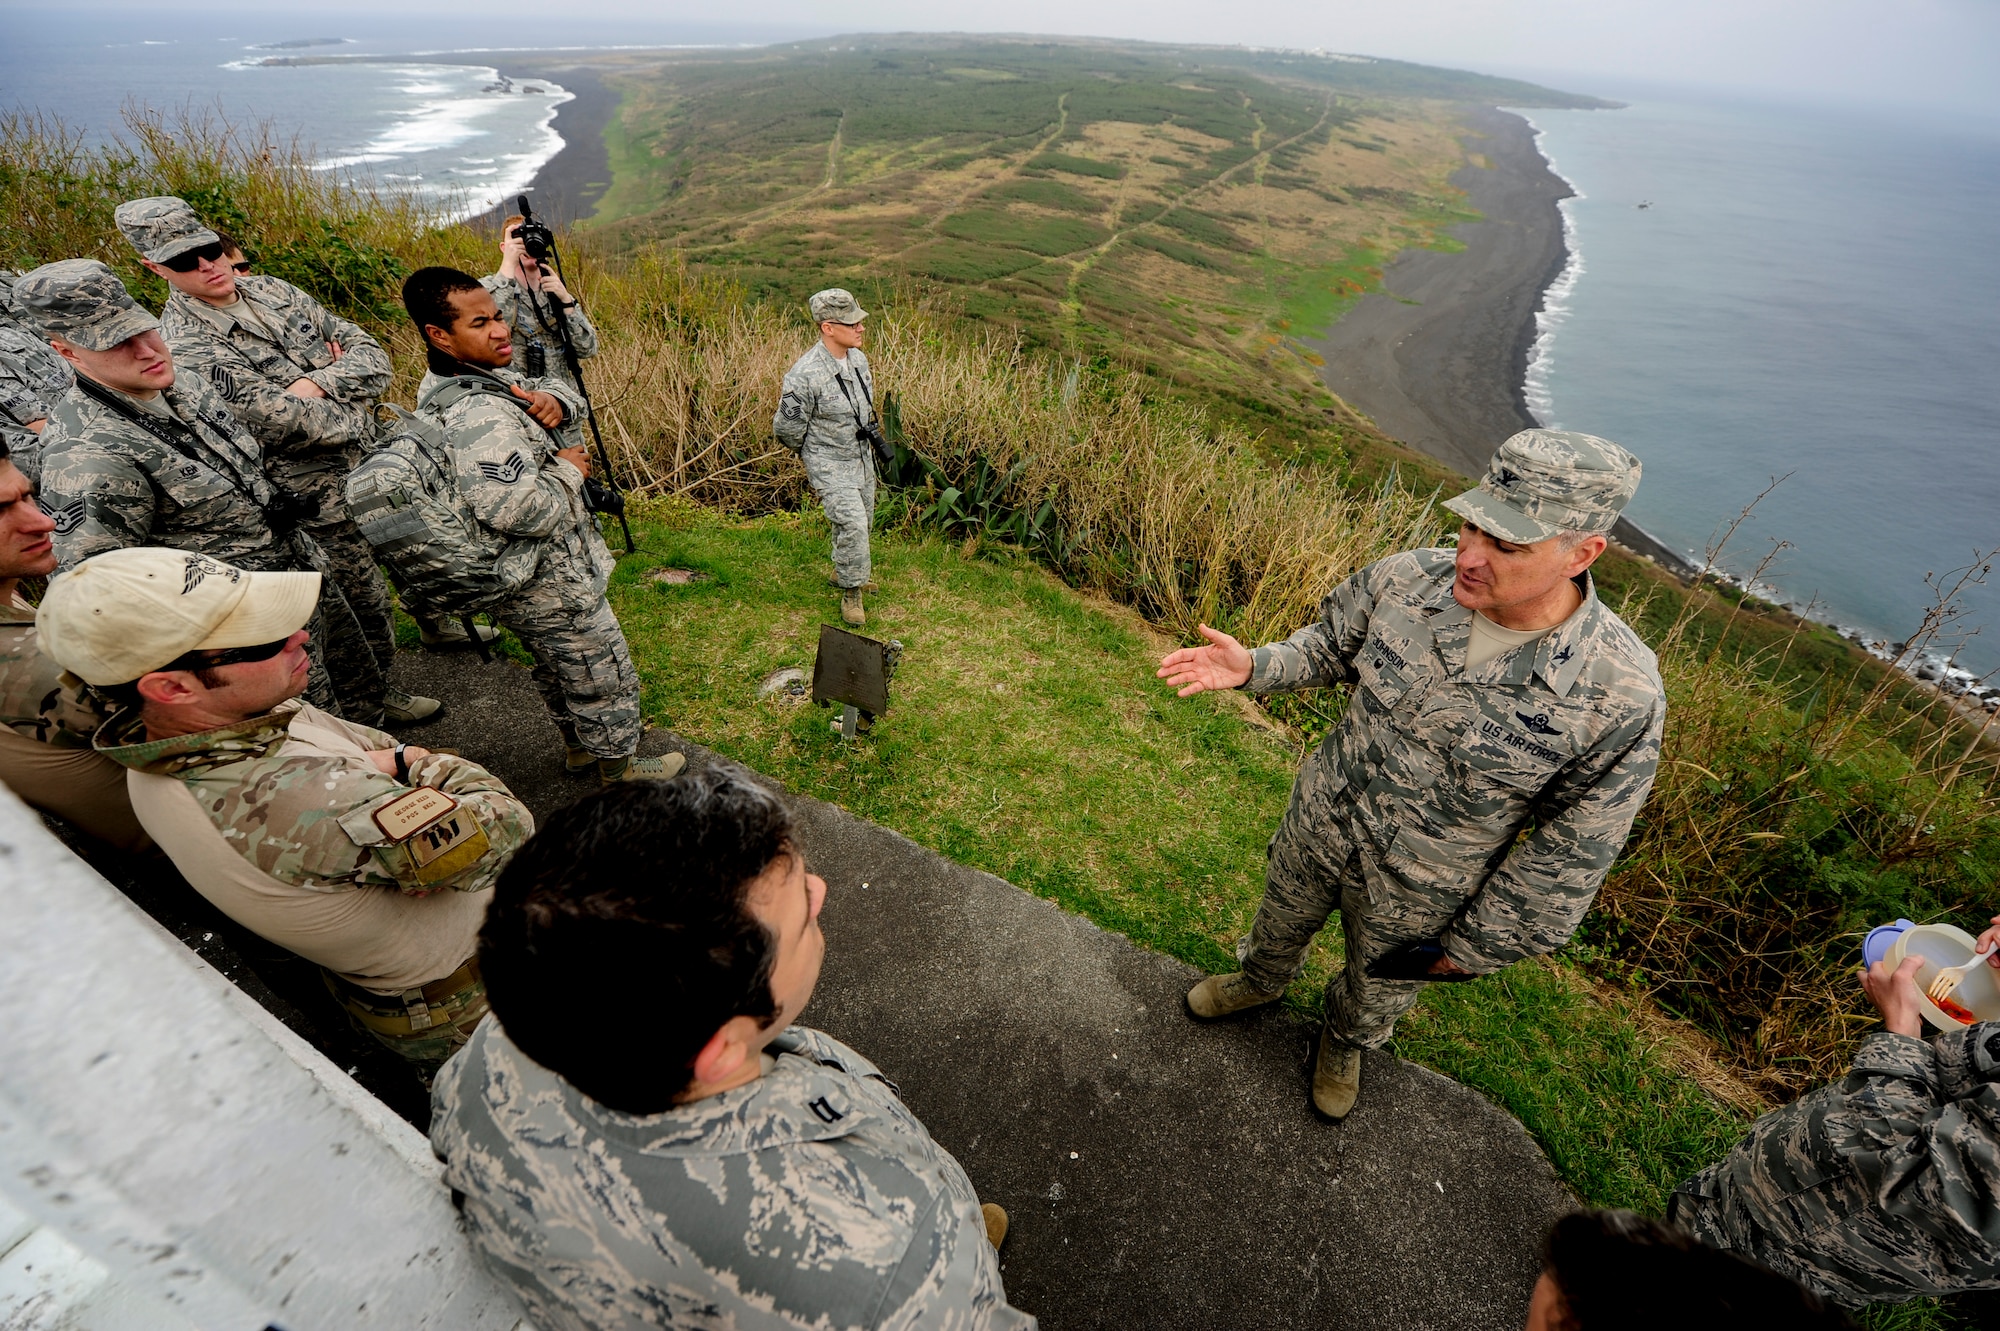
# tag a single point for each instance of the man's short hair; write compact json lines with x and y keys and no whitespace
{"x":513,"y":220}
{"x":635,"y":901}
{"x":230,"y":245}
{"x":428,"y":292}
{"x":1618,"y":1270}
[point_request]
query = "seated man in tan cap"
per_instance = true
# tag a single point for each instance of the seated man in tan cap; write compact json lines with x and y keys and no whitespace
{"x":45,"y":724}
{"x":370,"y":857}
{"x":1491,"y":689}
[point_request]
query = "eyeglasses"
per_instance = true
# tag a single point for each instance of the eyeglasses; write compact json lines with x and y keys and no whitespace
{"x":188,"y":260}
{"x":200,"y":660}
{"x":242,"y":267}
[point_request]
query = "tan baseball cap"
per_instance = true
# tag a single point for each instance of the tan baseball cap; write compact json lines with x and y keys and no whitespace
{"x":118,"y":615}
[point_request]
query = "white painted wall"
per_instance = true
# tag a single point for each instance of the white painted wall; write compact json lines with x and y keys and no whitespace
{"x":189,"y":1150}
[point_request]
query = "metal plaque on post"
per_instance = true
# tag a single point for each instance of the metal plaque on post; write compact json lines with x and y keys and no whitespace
{"x":852,"y":670}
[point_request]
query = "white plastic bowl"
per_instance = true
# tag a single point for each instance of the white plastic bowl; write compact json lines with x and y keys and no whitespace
{"x":1942,"y":945}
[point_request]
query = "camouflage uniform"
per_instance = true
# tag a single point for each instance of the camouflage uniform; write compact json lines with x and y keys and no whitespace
{"x":109,"y":482}
{"x":46,"y":721}
{"x":508,"y":475}
{"x":32,"y":380}
{"x":810,"y":1197}
{"x":536,"y":335}
{"x":382,"y":883}
{"x":252,"y":352}
{"x":823,"y":403}
{"x":1882,"y":1186}
{"x":1409,"y":817}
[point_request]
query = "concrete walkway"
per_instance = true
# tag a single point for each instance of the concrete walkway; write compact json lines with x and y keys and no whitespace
{"x":1159,"y":1172}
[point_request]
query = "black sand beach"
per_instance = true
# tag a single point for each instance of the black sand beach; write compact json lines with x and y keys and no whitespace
{"x":1438,"y":357}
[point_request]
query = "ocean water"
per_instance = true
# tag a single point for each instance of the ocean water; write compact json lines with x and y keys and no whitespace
{"x":448,"y":127}
{"x":1806,"y":294}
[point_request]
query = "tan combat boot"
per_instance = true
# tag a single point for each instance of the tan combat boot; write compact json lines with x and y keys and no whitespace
{"x":1336,"y":1078}
{"x":1226,"y":995}
{"x":403,"y":709}
{"x":576,"y":759}
{"x":610,"y":771}
{"x":851,"y":612}
{"x":996,"y":1223}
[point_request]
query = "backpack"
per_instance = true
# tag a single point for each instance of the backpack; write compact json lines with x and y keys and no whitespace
{"x":404,"y":497}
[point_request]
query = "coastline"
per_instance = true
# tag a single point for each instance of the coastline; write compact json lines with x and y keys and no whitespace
{"x":1439,"y":357}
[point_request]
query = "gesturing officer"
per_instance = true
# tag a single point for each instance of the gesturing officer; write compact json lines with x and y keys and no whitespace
{"x":828,"y":397}
{"x":134,"y":456}
{"x":305,"y":382}
{"x":1492,"y":691}
{"x":372,"y":858}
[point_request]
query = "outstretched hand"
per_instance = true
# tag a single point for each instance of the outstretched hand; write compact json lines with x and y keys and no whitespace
{"x":1223,"y":664}
{"x":544,"y":407}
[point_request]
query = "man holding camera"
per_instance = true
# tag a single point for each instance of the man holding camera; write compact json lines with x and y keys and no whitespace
{"x":135,"y":456}
{"x":535,"y":304}
{"x":826,"y":415}
{"x":305,"y":382}
{"x":524,"y":483}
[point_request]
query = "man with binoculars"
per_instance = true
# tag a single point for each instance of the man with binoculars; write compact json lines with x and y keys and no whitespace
{"x":827,"y":416}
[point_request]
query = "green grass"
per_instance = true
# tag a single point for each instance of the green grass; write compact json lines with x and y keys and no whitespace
{"x":1029,"y":737}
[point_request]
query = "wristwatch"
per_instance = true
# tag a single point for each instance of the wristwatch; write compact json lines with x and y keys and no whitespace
{"x":402,"y":765}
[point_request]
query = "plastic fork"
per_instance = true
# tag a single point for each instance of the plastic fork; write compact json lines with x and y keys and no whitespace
{"x":1945,"y":983}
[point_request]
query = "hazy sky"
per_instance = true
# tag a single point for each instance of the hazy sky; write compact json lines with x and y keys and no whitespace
{"x":1939,"y":53}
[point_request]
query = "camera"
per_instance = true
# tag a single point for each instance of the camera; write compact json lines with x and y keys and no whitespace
{"x":535,"y":237}
{"x":871,"y":435}
{"x":289,"y":510}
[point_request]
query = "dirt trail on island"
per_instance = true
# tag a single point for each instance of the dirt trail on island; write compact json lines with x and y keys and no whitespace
{"x":1438,"y":357}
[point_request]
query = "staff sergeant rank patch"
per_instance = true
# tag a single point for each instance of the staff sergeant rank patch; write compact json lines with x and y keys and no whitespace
{"x":430,"y":837}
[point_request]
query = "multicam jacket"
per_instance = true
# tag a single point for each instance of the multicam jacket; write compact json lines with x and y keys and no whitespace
{"x":253,"y":356}
{"x":289,"y":790}
{"x":32,"y":380}
{"x":1882,"y":1186}
{"x":37,"y":700}
{"x":109,"y":483}
{"x":1444,"y":768}
{"x":510,"y":478}
{"x":808,"y":1198}
{"x":824,"y":402}
{"x":536,"y":331}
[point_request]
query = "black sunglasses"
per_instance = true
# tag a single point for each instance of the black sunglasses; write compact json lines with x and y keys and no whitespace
{"x":199,"y":660}
{"x":243,"y":267}
{"x":188,"y":260}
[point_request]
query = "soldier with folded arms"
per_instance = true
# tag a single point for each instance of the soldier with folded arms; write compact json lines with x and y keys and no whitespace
{"x":1492,"y":694}
{"x":373,"y":858}
{"x":304,"y":382}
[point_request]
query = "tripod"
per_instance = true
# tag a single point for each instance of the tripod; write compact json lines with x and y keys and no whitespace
{"x":604,"y":497}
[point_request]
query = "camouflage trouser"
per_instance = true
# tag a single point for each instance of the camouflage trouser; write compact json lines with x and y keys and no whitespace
{"x":343,"y":654}
{"x":846,"y":489}
{"x":424,"y":1025}
{"x":352,"y":561}
{"x":1314,"y":864}
{"x":582,"y":666}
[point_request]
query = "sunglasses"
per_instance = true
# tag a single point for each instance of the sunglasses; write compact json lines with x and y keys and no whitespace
{"x":188,"y":260}
{"x":243,"y":267}
{"x":199,"y":660}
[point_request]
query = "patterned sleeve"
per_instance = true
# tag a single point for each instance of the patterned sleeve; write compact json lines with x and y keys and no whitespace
{"x":950,"y":1275}
{"x":361,"y":375}
{"x":1321,"y":653}
{"x":797,"y":405}
{"x":298,"y":424}
{"x":99,"y":498}
{"x":500,"y":475}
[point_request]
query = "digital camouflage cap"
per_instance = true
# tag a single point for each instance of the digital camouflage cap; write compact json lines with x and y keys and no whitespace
{"x":162,"y":227}
{"x":82,"y":302}
{"x":1545,"y":482}
{"x":836,"y":306}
